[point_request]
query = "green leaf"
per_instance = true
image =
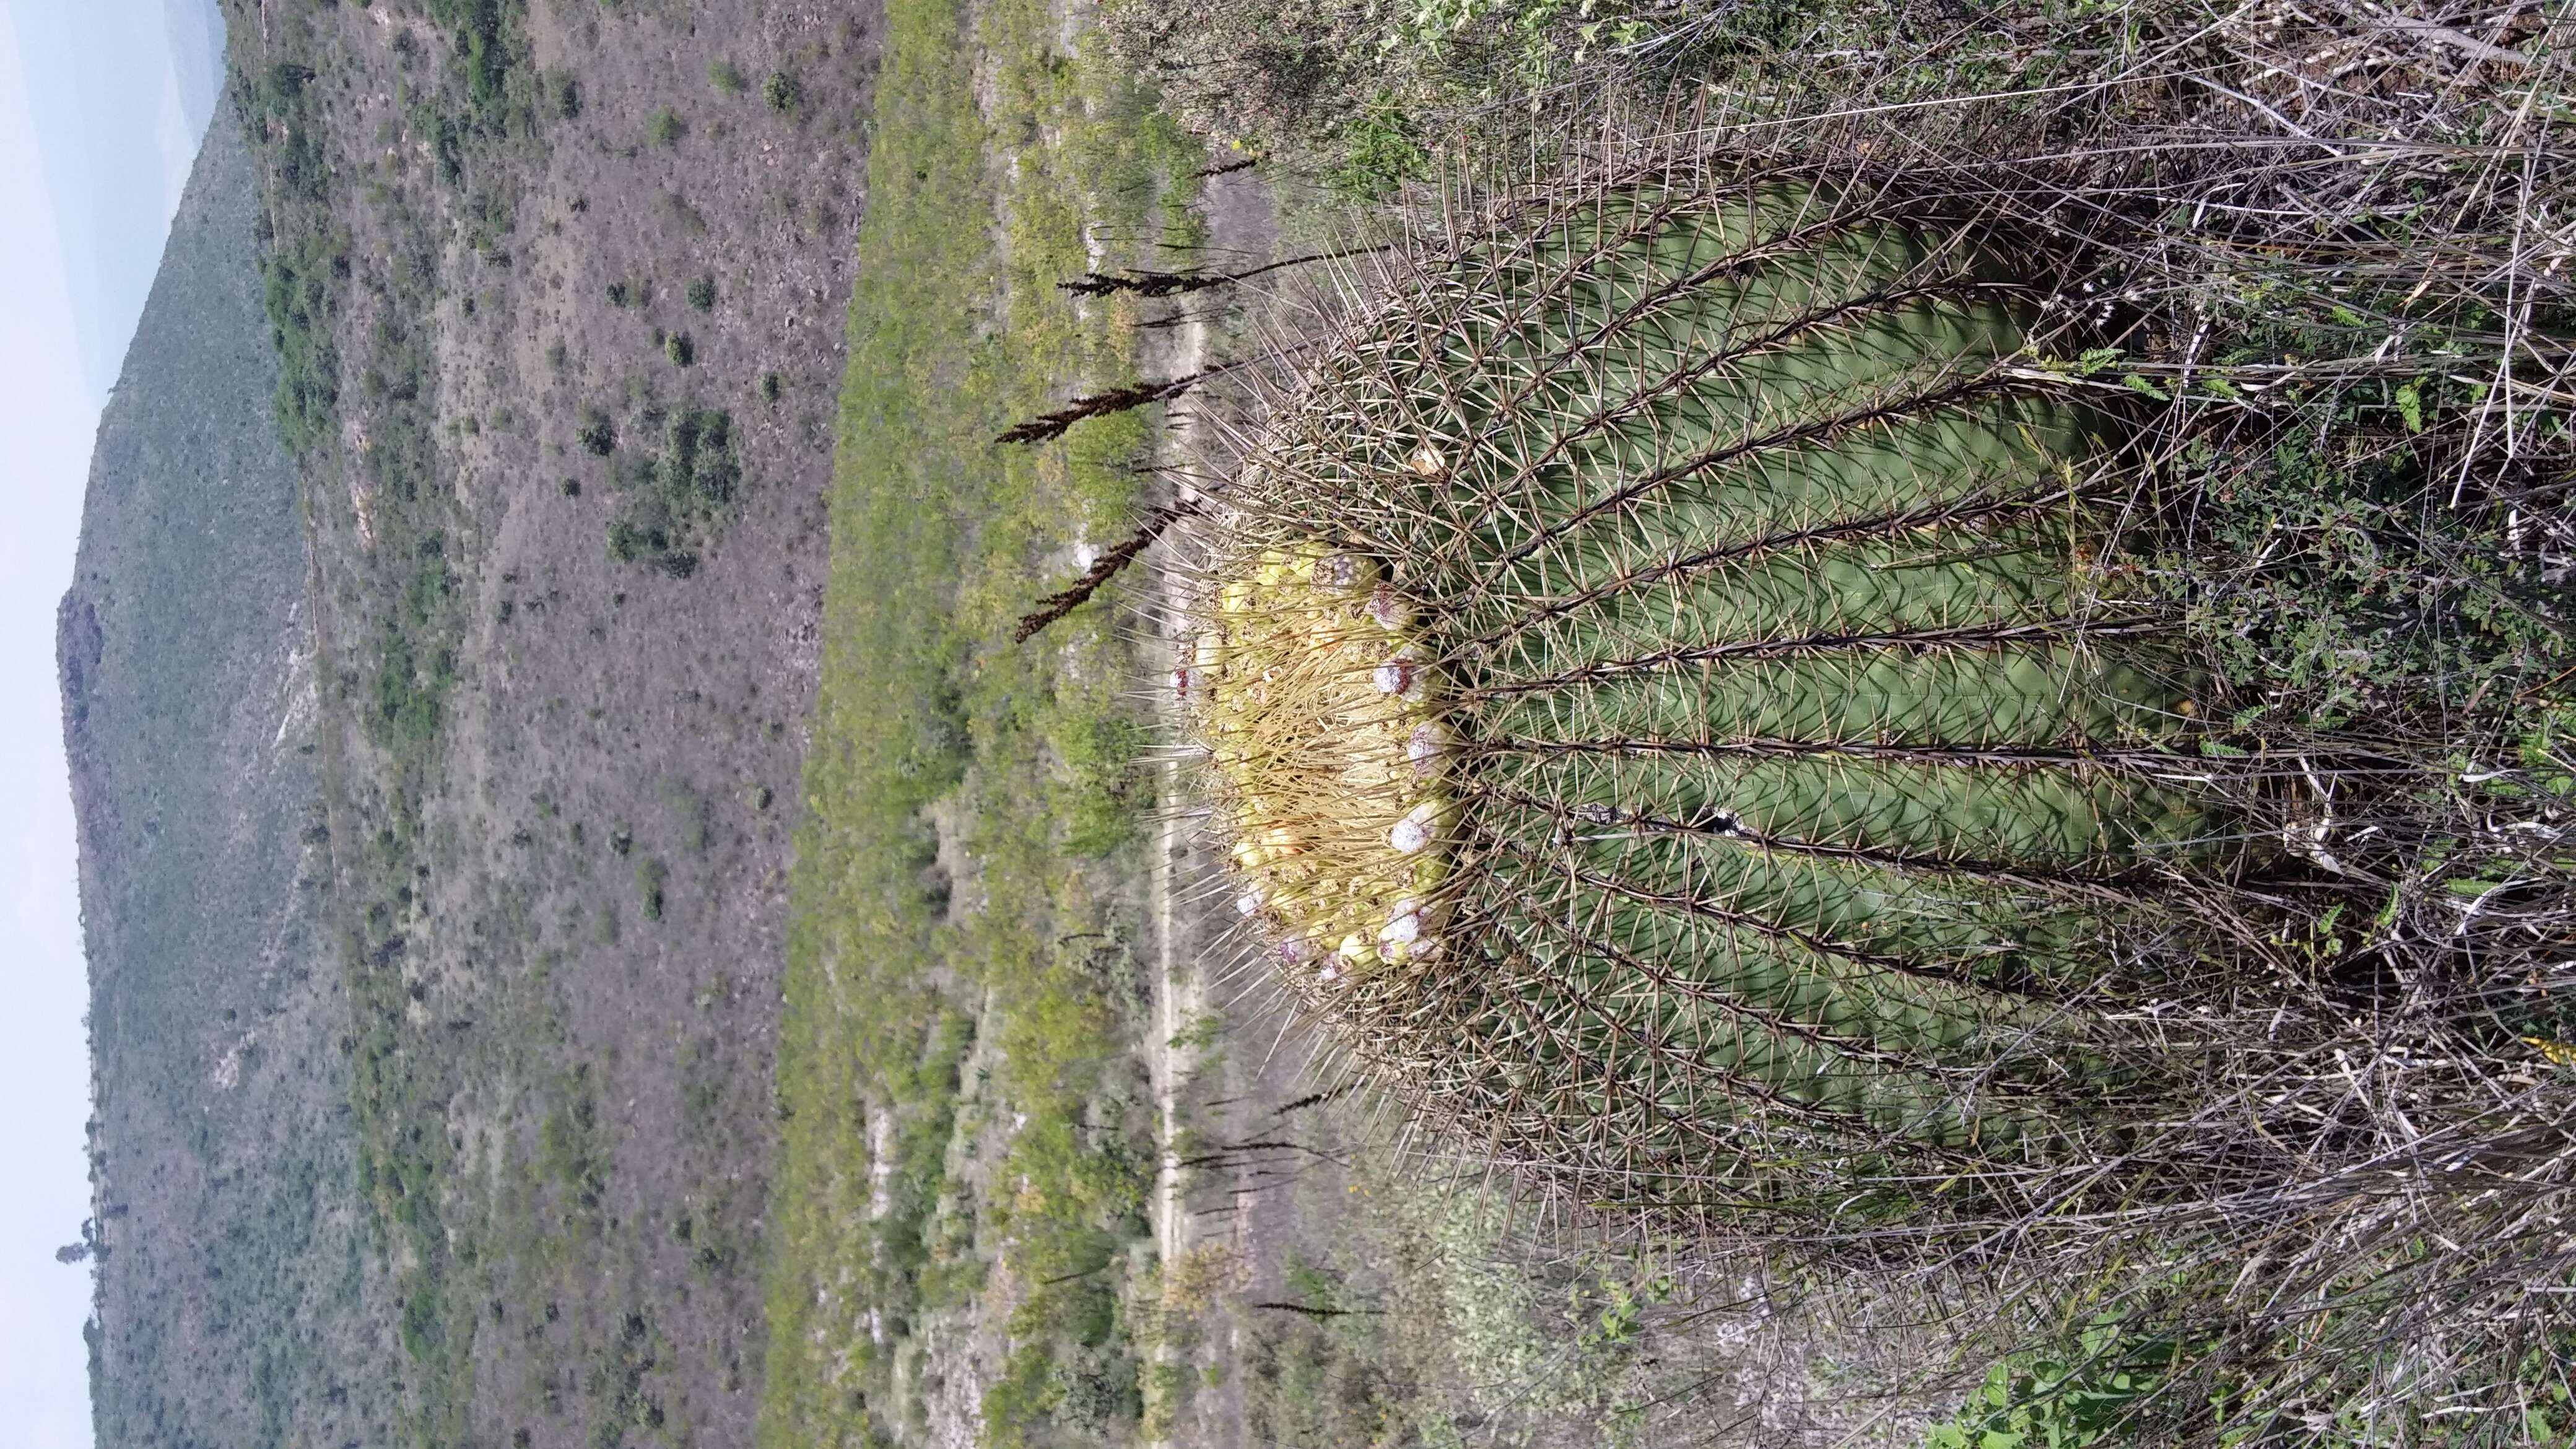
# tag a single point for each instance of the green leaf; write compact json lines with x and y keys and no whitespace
{"x":2137,"y":384}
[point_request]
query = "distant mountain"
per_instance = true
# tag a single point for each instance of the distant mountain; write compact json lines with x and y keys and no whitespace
{"x":237,"y":1298}
{"x":120,"y":92}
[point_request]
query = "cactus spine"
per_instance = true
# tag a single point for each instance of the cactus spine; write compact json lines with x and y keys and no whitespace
{"x":1682,"y":709}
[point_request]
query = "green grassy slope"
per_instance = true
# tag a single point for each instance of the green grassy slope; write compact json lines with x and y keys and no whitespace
{"x":930,"y":1000}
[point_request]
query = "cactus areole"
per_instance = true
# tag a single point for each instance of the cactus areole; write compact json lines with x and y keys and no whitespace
{"x":1680,"y":708}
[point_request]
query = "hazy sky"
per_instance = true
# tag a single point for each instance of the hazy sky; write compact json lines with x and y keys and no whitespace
{"x":101,"y":106}
{"x":119,"y":92}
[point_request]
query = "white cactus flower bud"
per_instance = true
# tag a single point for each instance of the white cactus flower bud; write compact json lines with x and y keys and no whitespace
{"x":1389,"y":608}
{"x":1414,"y":831}
{"x":1424,"y":748}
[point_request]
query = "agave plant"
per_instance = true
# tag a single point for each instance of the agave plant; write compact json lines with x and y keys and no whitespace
{"x":1684,"y":713}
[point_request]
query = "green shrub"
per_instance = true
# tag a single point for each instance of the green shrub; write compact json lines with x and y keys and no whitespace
{"x":780,"y":92}
{"x":652,"y":878}
{"x":1380,"y":151}
{"x":2073,"y":1399}
{"x":726,"y":77}
{"x":677,"y":500}
{"x":665,"y":128}
{"x":702,"y":294}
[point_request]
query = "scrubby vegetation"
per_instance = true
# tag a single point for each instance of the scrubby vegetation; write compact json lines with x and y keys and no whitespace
{"x":404,"y":619}
{"x":677,"y":499}
{"x":438,"y":216}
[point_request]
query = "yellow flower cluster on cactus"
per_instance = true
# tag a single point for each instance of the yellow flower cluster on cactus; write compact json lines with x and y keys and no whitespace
{"x":1315,"y":699}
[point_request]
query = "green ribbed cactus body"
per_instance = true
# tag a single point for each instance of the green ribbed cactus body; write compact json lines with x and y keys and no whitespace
{"x":1815,"y":764}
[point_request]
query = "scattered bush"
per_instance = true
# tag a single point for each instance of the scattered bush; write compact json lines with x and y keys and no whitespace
{"x":652,"y":877}
{"x":598,"y":435}
{"x":781,"y":92}
{"x":726,"y":77}
{"x":702,"y":294}
{"x":678,"y":500}
{"x":687,"y":217}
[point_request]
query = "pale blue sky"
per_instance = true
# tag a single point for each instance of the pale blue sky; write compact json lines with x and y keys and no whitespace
{"x":101,"y":106}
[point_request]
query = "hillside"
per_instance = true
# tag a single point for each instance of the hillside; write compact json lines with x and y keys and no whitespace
{"x":237,"y":1299}
{"x":556,"y":293}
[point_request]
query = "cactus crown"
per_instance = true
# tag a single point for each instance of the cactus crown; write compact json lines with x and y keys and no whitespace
{"x":1317,"y":699}
{"x":1674,"y":684}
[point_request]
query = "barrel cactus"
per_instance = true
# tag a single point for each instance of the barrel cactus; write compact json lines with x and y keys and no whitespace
{"x":1682,"y":710}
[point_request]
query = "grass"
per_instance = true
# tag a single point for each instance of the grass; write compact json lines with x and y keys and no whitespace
{"x":929,"y":1003}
